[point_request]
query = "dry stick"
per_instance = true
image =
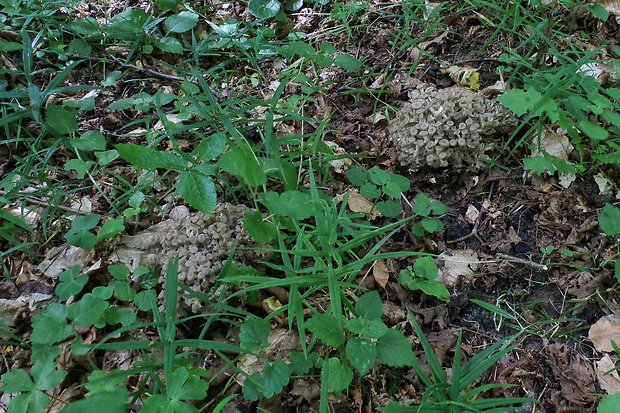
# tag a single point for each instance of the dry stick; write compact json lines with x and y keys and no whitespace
{"x":523,"y":261}
{"x":474,"y":231}
{"x":145,"y":70}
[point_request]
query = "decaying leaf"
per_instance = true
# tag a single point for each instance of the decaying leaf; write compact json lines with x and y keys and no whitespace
{"x":464,"y":76}
{"x":358,"y":203}
{"x":555,"y":144}
{"x":574,"y":372}
{"x":381,"y":273}
{"x":604,"y":331}
{"x":456,"y":266}
{"x":608,"y":382}
{"x":339,"y":165}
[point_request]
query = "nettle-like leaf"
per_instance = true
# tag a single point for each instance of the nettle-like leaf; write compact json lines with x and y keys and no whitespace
{"x":294,"y":204}
{"x":259,"y":229}
{"x":340,"y":375}
{"x":367,"y":328}
{"x":79,"y":235}
{"x":254,"y":333}
{"x":609,"y":220}
{"x":71,"y":283}
{"x":198,"y":190}
{"x":128,"y":24}
{"x":370,"y":306}
{"x":182,"y":22}
{"x":394,"y":349}
{"x":327,"y":328}
{"x":362,"y":354}
{"x":390,"y":209}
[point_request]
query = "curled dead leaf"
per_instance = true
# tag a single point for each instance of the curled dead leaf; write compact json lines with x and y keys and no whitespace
{"x":456,"y":266}
{"x":358,"y":203}
{"x":610,"y":382}
{"x":381,"y":273}
{"x":604,"y":331}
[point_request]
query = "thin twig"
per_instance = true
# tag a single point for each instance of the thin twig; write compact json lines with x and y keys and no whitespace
{"x":33,"y":201}
{"x":145,"y":69}
{"x":523,"y":261}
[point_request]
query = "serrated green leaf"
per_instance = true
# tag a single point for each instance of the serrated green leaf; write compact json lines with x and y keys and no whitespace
{"x":609,"y":220}
{"x":295,"y":204}
{"x":438,"y":208}
{"x":340,"y":375}
{"x":300,"y":364}
{"x":16,"y":381}
{"x":242,"y":163}
{"x":114,"y":400}
{"x":211,"y":147}
{"x":326,"y":328}
{"x":122,"y":104}
{"x":128,"y":24}
{"x":254,"y":333}
{"x":390,"y":209}
{"x":259,"y":229}
{"x":432,"y":225}
{"x":51,"y":326}
{"x":594,"y":132}
{"x":393,"y":349}
{"x":183,"y":386}
{"x":370,"y":191}
{"x":379,"y":176}
{"x":370,"y":306}
{"x":148,"y":158}
{"x":422,"y":206}
{"x":609,"y":404}
{"x":198,"y":190}
{"x":426,"y":267}
{"x":46,"y":376}
{"x":357,"y":176}
{"x":362,"y":354}
{"x":519,"y":101}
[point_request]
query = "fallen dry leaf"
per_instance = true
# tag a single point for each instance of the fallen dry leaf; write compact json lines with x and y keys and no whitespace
{"x":574,"y":372}
{"x":358,"y":203}
{"x":465,"y":76}
{"x":381,"y":273}
{"x":604,"y":331}
{"x":608,"y":382}
{"x":456,"y":266}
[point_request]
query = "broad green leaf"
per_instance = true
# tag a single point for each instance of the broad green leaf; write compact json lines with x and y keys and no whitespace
{"x":539,"y":164}
{"x":438,"y":208}
{"x":128,"y":24}
{"x":426,"y":267}
{"x":617,"y":270}
{"x":348,"y":62}
{"x":122,"y":104}
{"x":51,"y":326}
{"x":182,"y":22}
{"x":392,"y":189}
{"x":123,"y":291}
{"x":183,"y":386}
{"x":264,"y":9}
{"x":302,"y":49}
{"x":326,"y":328}
{"x":519,"y":101}
{"x":609,"y":220}
{"x":294,"y":204}
{"x":275,"y":377}
{"x":211,"y":147}
{"x":434,"y":288}
{"x":609,"y":404}
{"x":6,"y":46}
{"x":432,"y":225}
{"x":252,"y":387}
{"x":81,"y":167}
{"x":111,"y":78}
{"x":367,"y":328}
{"x":88,"y":310}
{"x":379,"y":176}
{"x":113,"y":401}
{"x":105,"y":157}
{"x":61,"y":119}
{"x":340,"y":375}
{"x":259,"y":229}
{"x":198,"y":190}
{"x":89,"y":141}
{"x":300,"y":364}
{"x":111,"y":228}
{"x":79,"y":235}
{"x":600,"y":13}
{"x":362,"y":354}
{"x":71,"y":283}
{"x":422,"y":206}
{"x":119,"y":315}
{"x":170,"y":45}
{"x":370,"y":306}
{"x":16,"y":381}
{"x":357,"y":176}
{"x":242,"y":163}
{"x":370,"y":190}
{"x":402,"y":182}
{"x":390,"y":209}
{"x":394,"y":349}
{"x":32,"y":402}
{"x":148,"y":158}
{"x":46,"y":376}
{"x":167,"y":5}
{"x":254,"y":333}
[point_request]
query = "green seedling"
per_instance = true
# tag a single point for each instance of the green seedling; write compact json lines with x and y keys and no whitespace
{"x":422,"y":276}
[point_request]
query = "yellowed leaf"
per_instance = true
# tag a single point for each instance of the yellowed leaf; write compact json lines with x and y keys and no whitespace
{"x":381,"y":273}
{"x":604,"y":331}
{"x":465,"y":76}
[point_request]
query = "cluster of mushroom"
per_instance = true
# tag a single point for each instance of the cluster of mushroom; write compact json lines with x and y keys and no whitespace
{"x":453,"y":127}
{"x":203,"y":244}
